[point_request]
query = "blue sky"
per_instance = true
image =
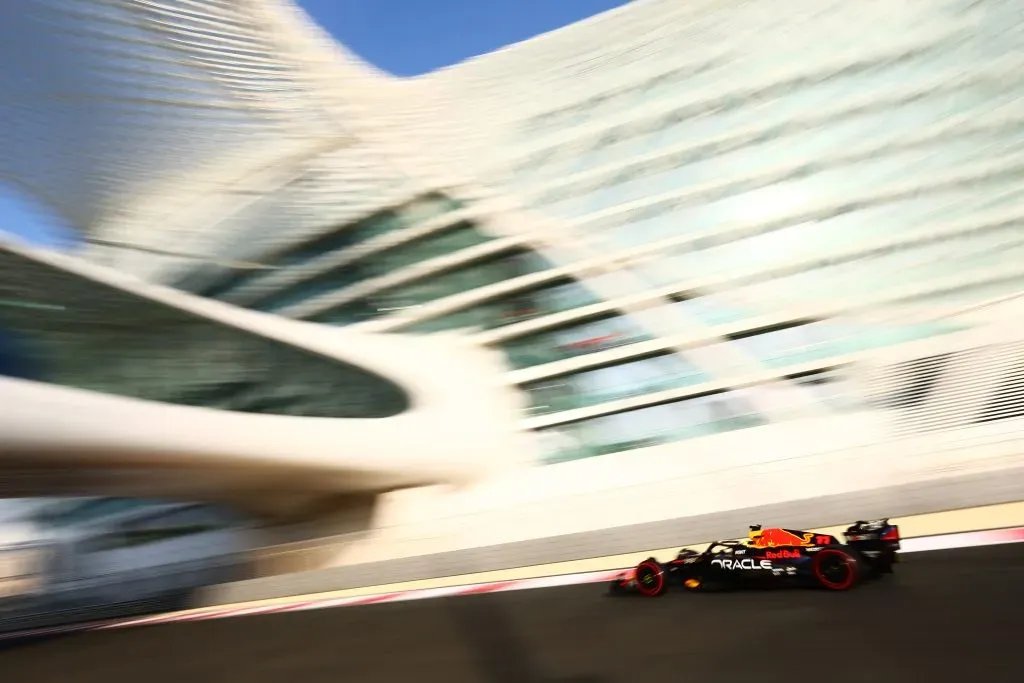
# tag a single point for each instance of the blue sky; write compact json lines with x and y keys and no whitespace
{"x":411,"y":37}
{"x":404,"y":37}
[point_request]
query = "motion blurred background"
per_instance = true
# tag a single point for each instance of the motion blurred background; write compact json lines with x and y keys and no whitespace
{"x":291,"y":291}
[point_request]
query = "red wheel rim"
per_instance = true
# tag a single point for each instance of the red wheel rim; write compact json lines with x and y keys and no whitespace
{"x":843,"y":560}
{"x":654,"y":587}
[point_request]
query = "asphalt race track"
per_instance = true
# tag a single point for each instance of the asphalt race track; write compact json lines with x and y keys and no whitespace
{"x":948,"y":616}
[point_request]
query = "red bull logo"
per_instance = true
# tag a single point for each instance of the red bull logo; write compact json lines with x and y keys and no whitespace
{"x":779,"y":538}
{"x":782,"y":555}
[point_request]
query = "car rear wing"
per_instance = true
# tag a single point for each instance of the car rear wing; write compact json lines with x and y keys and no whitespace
{"x":877,"y":531}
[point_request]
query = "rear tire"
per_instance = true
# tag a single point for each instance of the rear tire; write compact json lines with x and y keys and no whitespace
{"x":650,"y":579}
{"x":835,"y":569}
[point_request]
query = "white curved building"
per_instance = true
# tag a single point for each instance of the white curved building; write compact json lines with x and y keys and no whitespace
{"x":687,"y":227}
{"x":149,"y":391}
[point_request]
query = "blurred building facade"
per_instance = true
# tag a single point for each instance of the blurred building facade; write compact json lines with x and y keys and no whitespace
{"x":671,"y":221}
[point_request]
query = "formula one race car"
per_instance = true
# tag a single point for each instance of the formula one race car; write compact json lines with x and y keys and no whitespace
{"x":770,"y":558}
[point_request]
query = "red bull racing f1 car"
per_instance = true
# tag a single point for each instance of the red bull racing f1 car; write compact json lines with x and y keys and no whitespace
{"x":769,"y":558}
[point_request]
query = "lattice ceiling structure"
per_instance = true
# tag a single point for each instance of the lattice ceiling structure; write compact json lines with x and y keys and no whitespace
{"x":120,"y":113}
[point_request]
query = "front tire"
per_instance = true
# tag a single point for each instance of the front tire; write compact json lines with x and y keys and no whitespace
{"x":650,"y":579}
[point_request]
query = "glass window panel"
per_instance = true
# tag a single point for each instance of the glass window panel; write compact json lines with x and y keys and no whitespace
{"x":98,"y":508}
{"x":555,"y":164}
{"x":805,"y":95}
{"x":805,"y":99}
{"x":335,"y":241}
{"x":601,"y":385}
{"x":437,"y":286}
{"x":440,"y":244}
{"x":644,"y":427}
{"x":968,"y":296}
{"x":20,"y":357}
{"x":903,"y":269}
{"x":230,"y":283}
{"x":523,"y":306}
{"x":428,"y":207}
{"x":417,"y":211}
{"x":605,"y":198}
{"x":177,"y":517}
{"x":136,"y":537}
{"x":348,"y":236}
{"x":777,"y":201}
{"x":558,"y":120}
{"x":584,"y":161}
{"x":463,"y":279}
{"x":569,"y":206}
{"x":599,"y":154}
{"x":673,"y":84}
{"x":905,"y":217}
{"x":796,"y":344}
{"x":349,"y":314}
{"x":459,"y":237}
{"x":326,"y":283}
{"x":772,"y":201}
{"x":749,"y":161}
{"x":713,"y":310}
{"x":570,"y":342}
{"x":160,"y":353}
{"x":661,"y":226}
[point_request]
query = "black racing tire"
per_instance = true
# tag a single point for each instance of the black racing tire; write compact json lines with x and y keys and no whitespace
{"x":651,"y":581}
{"x":836,"y":569}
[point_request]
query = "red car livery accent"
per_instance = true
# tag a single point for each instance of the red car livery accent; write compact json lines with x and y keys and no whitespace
{"x":781,"y":538}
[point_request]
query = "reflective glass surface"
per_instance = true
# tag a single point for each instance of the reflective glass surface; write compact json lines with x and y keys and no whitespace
{"x":88,"y":335}
{"x":84,"y":511}
{"x":686,"y":419}
{"x":338,"y":239}
{"x":823,"y":340}
{"x":523,"y":306}
{"x":454,"y":281}
{"x":625,"y":380}
{"x":646,"y":427}
{"x":333,"y":241}
{"x":815,"y":63}
{"x":778,"y":349}
{"x":810,"y":245}
{"x":442,"y":243}
{"x":576,"y":340}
